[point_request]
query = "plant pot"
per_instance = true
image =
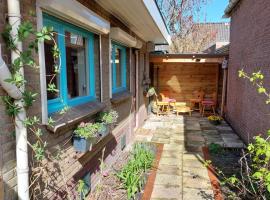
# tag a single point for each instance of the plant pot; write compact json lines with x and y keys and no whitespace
{"x":104,"y":130}
{"x":215,"y":122}
{"x":83,"y":145}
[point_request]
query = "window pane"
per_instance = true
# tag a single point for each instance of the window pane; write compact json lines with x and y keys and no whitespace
{"x":118,"y":67}
{"x":77,"y":67}
{"x":50,"y":70}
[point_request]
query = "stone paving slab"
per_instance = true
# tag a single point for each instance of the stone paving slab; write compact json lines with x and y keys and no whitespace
{"x":168,"y":180}
{"x":197,"y":194}
{"x":172,"y":154}
{"x":162,"y":192}
{"x":170,"y":161}
{"x":170,"y":169}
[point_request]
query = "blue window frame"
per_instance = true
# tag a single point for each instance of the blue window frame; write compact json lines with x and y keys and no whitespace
{"x":118,"y":64}
{"x":83,"y":65}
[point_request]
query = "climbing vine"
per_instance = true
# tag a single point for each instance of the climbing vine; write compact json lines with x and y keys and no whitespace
{"x":42,"y":159}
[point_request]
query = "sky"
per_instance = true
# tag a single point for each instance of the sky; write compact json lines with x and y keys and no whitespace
{"x":214,"y":11}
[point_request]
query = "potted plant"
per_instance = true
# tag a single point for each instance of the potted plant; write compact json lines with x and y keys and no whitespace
{"x":215,"y":120}
{"x":103,"y":129}
{"x":109,"y":118}
{"x":84,"y":137}
{"x":151,"y":91}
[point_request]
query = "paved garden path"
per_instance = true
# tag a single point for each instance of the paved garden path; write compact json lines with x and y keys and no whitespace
{"x":181,"y":174}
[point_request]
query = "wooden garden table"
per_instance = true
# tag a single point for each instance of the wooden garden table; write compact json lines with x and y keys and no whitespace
{"x":183,"y":109}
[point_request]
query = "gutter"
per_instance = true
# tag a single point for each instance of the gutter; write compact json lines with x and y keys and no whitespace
{"x":230,"y":7}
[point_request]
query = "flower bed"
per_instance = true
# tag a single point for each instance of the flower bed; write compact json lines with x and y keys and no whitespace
{"x":128,"y":176}
{"x":225,"y":160}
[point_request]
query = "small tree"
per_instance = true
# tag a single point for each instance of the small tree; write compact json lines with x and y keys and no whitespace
{"x":187,"y":35}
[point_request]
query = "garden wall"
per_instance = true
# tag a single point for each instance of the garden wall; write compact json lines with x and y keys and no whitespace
{"x":250,"y":50}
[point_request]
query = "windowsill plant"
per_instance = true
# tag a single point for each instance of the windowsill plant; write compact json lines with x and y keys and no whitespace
{"x":85,"y":135}
{"x":108,"y":118}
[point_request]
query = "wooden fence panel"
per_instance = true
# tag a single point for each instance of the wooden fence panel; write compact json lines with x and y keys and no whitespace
{"x":180,"y":80}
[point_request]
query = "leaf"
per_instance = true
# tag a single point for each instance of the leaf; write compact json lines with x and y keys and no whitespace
{"x":261,"y":90}
{"x":268,"y":188}
{"x":257,"y":175}
{"x":29,"y":98}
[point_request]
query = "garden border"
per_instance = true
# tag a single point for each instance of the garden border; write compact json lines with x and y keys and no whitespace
{"x":213,"y":178}
{"x":149,"y":186}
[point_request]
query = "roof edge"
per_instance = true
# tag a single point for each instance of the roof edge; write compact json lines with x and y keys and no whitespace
{"x":230,"y":7}
{"x":158,"y":19}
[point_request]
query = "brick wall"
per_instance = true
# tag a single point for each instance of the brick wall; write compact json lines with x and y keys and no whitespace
{"x":249,"y":49}
{"x":7,"y":140}
{"x":72,"y":165}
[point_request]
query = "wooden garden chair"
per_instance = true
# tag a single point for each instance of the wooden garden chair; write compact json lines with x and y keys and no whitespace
{"x":198,"y":97}
{"x":209,"y":103}
{"x":163,"y":107}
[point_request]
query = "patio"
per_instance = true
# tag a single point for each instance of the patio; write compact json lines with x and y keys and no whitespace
{"x":181,"y":173}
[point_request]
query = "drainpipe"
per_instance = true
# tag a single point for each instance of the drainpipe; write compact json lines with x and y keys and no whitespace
{"x":11,"y":89}
{"x":224,"y":86}
{"x":14,"y":17}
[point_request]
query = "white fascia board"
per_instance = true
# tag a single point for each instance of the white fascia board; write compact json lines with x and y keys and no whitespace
{"x":229,"y":8}
{"x":123,"y":37}
{"x":76,"y":12}
{"x":154,"y":12}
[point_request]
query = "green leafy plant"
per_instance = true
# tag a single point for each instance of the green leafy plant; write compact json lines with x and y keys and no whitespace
{"x":215,"y":148}
{"x":132,"y":173}
{"x":109,"y":117}
{"x":87,"y":130}
{"x":151,"y":91}
{"x":82,"y":189}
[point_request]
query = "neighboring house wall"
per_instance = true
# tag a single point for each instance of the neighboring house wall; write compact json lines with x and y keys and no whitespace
{"x":250,"y":50}
{"x":74,"y":165}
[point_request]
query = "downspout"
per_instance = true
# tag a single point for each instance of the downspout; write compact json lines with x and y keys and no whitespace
{"x":224,"y":85}
{"x":14,"y":17}
{"x":11,"y":89}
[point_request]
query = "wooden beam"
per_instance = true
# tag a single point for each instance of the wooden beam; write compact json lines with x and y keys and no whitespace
{"x":185,"y":60}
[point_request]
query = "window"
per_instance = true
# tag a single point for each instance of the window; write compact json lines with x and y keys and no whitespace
{"x":76,"y":80}
{"x":118,"y":63}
